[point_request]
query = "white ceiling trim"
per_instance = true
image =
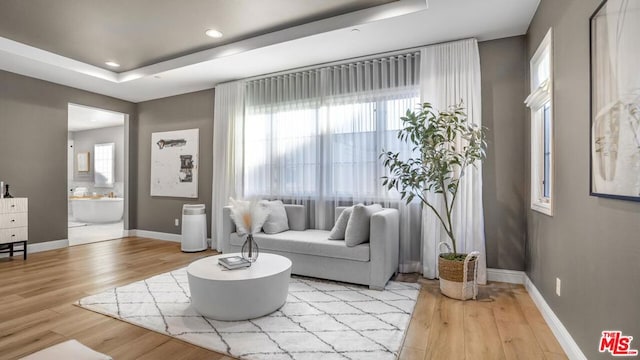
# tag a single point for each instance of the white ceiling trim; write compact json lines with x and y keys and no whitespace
{"x":10,"y":47}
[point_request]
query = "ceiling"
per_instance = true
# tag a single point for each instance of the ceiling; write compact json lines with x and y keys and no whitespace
{"x":144,"y":32}
{"x":387,"y":27}
{"x":87,"y":118}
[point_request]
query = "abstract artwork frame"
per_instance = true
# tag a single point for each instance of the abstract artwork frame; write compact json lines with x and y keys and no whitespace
{"x":174,"y":163}
{"x":615,"y":100}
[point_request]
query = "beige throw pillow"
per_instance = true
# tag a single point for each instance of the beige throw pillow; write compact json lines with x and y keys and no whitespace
{"x":357,"y":231}
{"x":339,"y":229}
{"x":277,"y":220}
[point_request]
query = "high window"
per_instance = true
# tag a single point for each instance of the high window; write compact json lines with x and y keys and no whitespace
{"x":540,"y":103}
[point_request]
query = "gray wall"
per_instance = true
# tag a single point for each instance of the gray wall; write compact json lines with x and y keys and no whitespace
{"x":188,"y":111}
{"x":591,"y":244}
{"x":503,"y":67}
{"x":33,"y":147}
{"x":84,"y":142}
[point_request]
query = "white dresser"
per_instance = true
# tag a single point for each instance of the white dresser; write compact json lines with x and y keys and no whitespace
{"x":14,"y":225}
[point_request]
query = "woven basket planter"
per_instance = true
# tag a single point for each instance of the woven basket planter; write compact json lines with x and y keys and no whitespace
{"x":452,"y":278}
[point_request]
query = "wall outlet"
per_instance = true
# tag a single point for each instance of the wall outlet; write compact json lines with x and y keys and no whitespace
{"x":558,"y":285}
{"x":176,"y":222}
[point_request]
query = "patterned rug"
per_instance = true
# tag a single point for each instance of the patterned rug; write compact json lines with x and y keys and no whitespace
{"x":321,"y":319}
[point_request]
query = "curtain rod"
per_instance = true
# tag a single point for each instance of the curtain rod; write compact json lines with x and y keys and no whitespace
{"x":342,"y":62}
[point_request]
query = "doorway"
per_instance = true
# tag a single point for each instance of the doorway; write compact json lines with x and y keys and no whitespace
{"x":97,"y":171}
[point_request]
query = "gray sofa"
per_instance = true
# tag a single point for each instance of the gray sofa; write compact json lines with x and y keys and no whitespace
{"x":313,"y":254}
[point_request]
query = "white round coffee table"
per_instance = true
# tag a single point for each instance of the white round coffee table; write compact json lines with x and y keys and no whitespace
{"x":240,"y":294}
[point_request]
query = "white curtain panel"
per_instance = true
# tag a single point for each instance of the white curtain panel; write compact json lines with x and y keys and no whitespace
{"x":450,"y":73}
{"x":314,"y":138}
{"x":227,"y":151}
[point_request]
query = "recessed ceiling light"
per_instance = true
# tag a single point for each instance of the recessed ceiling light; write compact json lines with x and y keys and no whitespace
{"x":213,"y":33}
{"x":112,"y":64}
{"x":355,"y":30}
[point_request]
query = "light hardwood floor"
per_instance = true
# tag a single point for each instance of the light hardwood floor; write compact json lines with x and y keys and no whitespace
{"x":36,"y":309}
{"x":503,"y":323}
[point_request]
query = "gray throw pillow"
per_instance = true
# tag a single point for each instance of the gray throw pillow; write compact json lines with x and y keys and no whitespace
{"x":277,"y":220}
{"x":338,"y":231}
{"x":357,"y":231}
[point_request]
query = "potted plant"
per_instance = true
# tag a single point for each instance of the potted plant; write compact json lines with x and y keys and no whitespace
{"x":444,"y":145}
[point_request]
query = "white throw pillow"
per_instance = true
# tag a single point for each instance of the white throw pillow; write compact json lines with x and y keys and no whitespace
{"x":357,"y":231}
{"x":340,"y":227}
{"x":277,"y":220}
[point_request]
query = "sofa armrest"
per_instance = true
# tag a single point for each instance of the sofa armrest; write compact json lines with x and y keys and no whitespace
{"x":384,"y":246}
{"x":297,"y":217}
{"x":228,"y":227}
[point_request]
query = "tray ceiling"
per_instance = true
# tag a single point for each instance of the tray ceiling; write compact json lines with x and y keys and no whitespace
{"x":387,"y":27}
{"x":143,"y":32}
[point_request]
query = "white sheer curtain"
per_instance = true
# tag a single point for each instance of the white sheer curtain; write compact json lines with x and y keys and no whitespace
{"x":450,"y":72}
{"x":314,"y":137}
{"x":227,"y":151}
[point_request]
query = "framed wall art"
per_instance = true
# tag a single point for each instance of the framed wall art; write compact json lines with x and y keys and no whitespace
{"x":615,"y":100}
{"x":174,"y":163}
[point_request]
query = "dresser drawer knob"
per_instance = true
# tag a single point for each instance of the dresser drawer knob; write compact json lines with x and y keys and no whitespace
{"x":14,"y":235}
{"x":13,"y":220}
{"x":13,"y":205}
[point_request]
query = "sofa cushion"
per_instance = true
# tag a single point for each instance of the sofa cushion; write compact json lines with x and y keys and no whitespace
{"x":357,"y":231}
{"x":277,"y":220}
{"x":338,"y":230}
{"x":297,"y":217}
{"x":310,"y":242}
{"x":339,"y":210}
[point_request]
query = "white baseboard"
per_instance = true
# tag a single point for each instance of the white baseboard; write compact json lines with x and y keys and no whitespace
{"x":158,"y":235}
{"x":507,"y":276}
{"x":43,"y":246}
{"x":561,"y":333}
{"x":49,"y":245}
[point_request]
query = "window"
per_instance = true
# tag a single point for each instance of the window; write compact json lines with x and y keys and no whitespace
{"x":281,"y":146}
{"x":316,"y":135}
{"x":329,"y":148}
{"x":104,"y":167}
{"x":359,"y":130}
{"x":540,"y":102}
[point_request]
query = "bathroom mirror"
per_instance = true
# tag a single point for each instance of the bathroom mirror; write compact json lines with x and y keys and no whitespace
{"x":83,"y":162}
{"x":104,"y":165}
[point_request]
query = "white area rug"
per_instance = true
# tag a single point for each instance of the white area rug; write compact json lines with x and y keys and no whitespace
{"x":320,"y":320}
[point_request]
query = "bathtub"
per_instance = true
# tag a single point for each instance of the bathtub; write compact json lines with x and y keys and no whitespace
{"x":103,"y":210}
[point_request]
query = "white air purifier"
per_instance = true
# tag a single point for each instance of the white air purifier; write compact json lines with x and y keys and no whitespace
{"x":194,"y":228}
